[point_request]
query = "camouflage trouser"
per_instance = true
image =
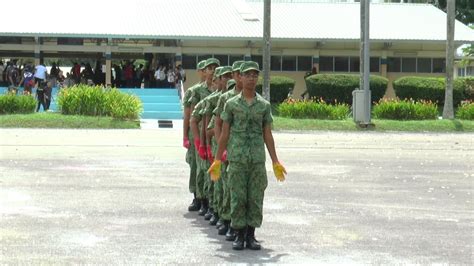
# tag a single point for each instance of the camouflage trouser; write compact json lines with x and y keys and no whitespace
{"x":225,"y":203}
{"x":217,"y":197}
{"x":248,"y":182}
{"x":191,"y":160}
{"x":200,"y":177}
{"x":208,"y":184}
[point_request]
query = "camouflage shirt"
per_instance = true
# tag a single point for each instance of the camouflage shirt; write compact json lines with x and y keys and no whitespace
{"x":187,"y":95}
{"x":246,"y":128}
{"x":198,"y":93}
{"x":222,"y":100}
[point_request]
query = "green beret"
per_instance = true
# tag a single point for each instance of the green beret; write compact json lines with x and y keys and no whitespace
{"x":225,"y":70}
{"x":249,"y":65}
{"x":230,"y":83}
{"x":201,"y":64}
{"x":236,"y":65}
{"x":212,"y":61}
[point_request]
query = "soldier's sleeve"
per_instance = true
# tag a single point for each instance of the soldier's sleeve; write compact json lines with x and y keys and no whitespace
{"x":197,"y":111}
{"x":227,"y":115}
{"x":267,"y":116}
{"x":186,"y":97}
{"x":194,"y":99}
{"x":220,"y":106}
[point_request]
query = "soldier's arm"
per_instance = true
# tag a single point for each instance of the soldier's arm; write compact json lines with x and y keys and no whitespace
{"x":223,"y":139}
{"x":217,"y":126}
{"x":187,"y":115}
{"x":195,"y":128}
{"x":269,"y":142}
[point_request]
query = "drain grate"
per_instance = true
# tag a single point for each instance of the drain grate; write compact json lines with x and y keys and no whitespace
{"x":165,"y":124}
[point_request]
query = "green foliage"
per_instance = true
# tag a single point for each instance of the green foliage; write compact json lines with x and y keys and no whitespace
{"x":339,"y":87}
{"x":17,"y":104}
{"x":468,"y":87}
{"x":313,"y":109}
{"x":466,"y":111}
{"x":464,"y":10}
{"x":430,"y":89}
{"x":279,"y":88}
{"x":405,"y":110}
{"x":97,"y":101}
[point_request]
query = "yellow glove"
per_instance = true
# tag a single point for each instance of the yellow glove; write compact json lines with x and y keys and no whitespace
{"x":279,"y":171}
{"x":215,"y":170}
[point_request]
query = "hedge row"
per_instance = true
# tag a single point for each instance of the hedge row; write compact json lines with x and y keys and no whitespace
{"x":431,"y":89}
{"x":339,"y":87}
{"x":280,"y":86}
{"x":98,"y":101}
{"x":11,"y":103}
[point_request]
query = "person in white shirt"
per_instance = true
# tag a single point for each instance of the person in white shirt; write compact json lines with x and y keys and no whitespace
{"x":171,"y":78}
{"x":40,"y":74}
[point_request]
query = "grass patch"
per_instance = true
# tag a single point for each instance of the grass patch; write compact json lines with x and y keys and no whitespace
{"x":281,"y":123}
{"x":56,"y":120}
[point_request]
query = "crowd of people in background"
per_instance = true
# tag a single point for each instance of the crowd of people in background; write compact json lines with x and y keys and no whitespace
{"x":124,"y":75}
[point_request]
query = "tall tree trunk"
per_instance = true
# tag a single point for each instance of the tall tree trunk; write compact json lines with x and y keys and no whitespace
{"x":448,"y":110}
{"x":266,"y":49}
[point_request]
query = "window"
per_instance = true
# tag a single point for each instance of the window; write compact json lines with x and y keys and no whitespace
{"x":374,"y":64}
{"x":189,"y":61}
{"x":289,"y":63}
{"x":408,"y":64}
{"x":203,"y":57}
{"x":233,"y":58}
{"x":326,"y":63}
{"x":258,"y":59}
{"x":439,"y":65}
{"x":341,"y":64}
{"x":275,"y":63}
{"x":354,"y":64}
{"x":469,"y":71}
{"x":423,"y":65}
{"x":70,"y":41}
{"x":304,"y":63}
{"x":223,"y":58}
{"x":393,"y":64}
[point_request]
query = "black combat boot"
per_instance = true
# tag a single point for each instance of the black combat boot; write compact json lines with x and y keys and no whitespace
{"x":219,"y":223}
{"x":209,"y":214}
{"x":239,"y":241}
{"x":214,"y":219}
{"x":224,"y":227}
{"x":230,"y":234}
{"x":203,"y":210}
{"x":195,"y":205}
{"x":252,"y":243}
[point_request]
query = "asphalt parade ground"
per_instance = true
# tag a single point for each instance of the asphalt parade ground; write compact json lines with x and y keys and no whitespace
{"x":121,"y":197}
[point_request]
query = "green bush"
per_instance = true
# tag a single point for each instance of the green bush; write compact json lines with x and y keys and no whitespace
{"x":466,"y":111}
{"x":313,"y":109}
{"x":430,"y":89}
{"x":17,"y":104}
{"x":339,"y":87}
{"x":97,"y":101}
{"x":279,"y":88}
{"x":405,"y":110}
{"x":468,"y":87}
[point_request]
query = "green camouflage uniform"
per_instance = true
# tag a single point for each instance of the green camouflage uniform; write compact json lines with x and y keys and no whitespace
{"x":191,"y":152}
{"x":246,"y":156}
{"x":201,"y":170}
{"x":225,"y":204}
{"x":215,"y":188}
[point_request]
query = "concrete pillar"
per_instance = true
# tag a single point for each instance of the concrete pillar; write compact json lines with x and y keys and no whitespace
{"x":178,"y":59}
{"x":383,"y":64}
{"x":108,"y":67}
{"x":37,"y":52}
{"x":316,"y":62}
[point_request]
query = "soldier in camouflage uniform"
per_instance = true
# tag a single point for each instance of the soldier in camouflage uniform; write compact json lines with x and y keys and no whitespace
{"x":225,"y":228}
{"x":246,"y":130}
{"x":223,"y":74}
{"x":197,"y":95}
{"x":187,"y":134}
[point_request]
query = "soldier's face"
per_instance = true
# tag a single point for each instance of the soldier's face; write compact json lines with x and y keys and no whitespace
{"x":249,"y":79}
{"x":236,"y":77}
{"x":210,"y":71}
